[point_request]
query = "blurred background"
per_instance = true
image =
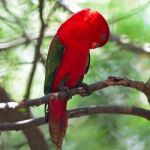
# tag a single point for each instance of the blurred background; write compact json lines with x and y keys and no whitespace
{"x":26,"y":30}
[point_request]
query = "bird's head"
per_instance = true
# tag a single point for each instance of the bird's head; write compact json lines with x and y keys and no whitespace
{"x":86,"y":28}
{"x":99,"y":29}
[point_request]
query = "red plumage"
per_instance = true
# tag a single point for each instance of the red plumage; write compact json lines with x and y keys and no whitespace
{"x":84,"y":30}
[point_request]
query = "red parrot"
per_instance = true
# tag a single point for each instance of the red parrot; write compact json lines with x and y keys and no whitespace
{"x":68,"y":61}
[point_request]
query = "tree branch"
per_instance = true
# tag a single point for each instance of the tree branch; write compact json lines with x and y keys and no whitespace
{"x":79,"y":112}
{"x":34,"y":136}
{"x":37,"y":50}
{"x":41,"y":8}
{"x":37,"y":54}
{"x":111,"y":81}
{"x":125,"y":43}
{"x":21,"y":40}
{"x":119,"y":40}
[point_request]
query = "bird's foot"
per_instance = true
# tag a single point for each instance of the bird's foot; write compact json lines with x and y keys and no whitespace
{"x":66,"y":90}
{"x":87,"y":89}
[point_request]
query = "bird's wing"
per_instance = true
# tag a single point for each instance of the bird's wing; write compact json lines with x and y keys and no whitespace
{"x":53,"y":61}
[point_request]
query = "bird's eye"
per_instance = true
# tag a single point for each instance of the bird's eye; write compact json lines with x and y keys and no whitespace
{"x":103,"y":37}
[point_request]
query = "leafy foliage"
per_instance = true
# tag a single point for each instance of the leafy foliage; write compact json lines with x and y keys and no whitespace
{"x":107,"y":132}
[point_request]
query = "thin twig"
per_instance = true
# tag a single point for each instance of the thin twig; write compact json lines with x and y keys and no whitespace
{"x":79,"y":112}
{"x":21,"y":40}
{"x":55,"y":5}
{"x":69,"y":6}
{"x":37,"y":50}
{"x":130,"y":13}
{"x":41,"y":8}
{"x":17,"y":20}
{"x":6,"y":20}
{"x":119,"y":40}
{"x":37,"y":54}
{"x":124,"y":42}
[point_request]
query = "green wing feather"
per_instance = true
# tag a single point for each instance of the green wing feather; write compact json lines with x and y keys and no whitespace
{"x":53,"y":61}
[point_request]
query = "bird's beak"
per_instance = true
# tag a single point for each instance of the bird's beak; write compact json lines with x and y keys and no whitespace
{"x":95,"y":45}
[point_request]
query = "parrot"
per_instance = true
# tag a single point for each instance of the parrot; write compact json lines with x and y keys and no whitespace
{"x":68,"y":61}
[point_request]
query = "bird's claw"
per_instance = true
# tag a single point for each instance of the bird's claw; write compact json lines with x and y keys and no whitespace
{"x":66,"y":90}
{"x":87,"y":89}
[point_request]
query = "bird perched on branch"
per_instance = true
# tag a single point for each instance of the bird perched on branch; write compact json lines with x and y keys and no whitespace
{"x":68,"y":61}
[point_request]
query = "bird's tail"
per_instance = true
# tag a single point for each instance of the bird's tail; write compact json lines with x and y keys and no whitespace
{"x":58,"y":119}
